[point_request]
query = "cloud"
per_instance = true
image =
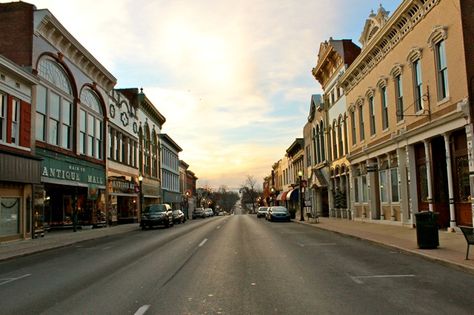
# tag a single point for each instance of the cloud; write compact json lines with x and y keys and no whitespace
{"x":232,"y":78}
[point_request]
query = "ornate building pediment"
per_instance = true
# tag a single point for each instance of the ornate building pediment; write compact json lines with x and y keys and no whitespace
{"x":372,"y":25}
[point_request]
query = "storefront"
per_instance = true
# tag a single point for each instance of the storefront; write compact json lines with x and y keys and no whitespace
{"x":123,"y":200}
{"x":18,"y":174}
{"x":72,"y":191}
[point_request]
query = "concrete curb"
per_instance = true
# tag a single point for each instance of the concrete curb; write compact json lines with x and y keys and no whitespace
{"x":407,"y":251}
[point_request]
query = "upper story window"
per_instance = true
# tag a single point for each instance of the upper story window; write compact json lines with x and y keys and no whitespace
{"x":353,"y":127}
{"x":437,"y":42}
{"x":383,"y":96}
{"x":399,"y":97}
{"x":371,"y":115}
{"x":417,"y":85}
{"x":91,"y":125}
{"x":441,"y":70}
{"x":361,"y":123}
{"x":54,"y":105}
{"x":15,"y":122}
{"x":396,"y":74}
{"x":340,"y":137}
{"x":3,"y":117}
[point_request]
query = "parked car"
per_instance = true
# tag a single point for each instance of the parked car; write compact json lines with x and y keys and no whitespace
{"x":178,"y":216}
{"x":278,"y":213}
{"x":157,"y":214}
{"x":208,"y":212}
{"x":198,"y":213}
{"x":262,"y":212}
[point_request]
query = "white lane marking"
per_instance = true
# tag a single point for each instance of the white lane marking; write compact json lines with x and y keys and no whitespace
{"x":203,"y":242}
{"x":357,"y":279}
{"x":107,"y":247}
{"x":8,"y":280}
{"x":142,"y":310}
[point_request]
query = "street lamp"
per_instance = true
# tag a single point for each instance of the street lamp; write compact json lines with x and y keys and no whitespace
{"x":140,"y":180}
{"x":187,"y":194}
{"x":300,"y":175}
{"x":273,"y":197}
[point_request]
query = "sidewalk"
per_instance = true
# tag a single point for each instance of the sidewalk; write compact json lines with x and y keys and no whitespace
{"x":451,"y":250}
{"x":59,"y":238}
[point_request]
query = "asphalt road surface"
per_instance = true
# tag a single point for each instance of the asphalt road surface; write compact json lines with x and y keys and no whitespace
{"x":231,"y":265}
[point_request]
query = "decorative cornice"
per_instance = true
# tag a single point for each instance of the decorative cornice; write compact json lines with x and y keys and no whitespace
{"x":404,"y":19}
{"x":51,"y":30}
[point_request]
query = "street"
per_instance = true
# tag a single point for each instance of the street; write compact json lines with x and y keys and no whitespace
{"x":231,"y":265}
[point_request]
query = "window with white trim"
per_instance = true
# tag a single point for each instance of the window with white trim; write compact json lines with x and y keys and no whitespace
{"x":441,"y":70}
{"x":15,"y":122}
{"x":372,"y":115}
{"x":399,"y":96}
{"x":383,"y":95}
{"x":3,"y":117}
{"x":91,"y":124}
{"x":417,"y":85}
{"x":54,"y":105}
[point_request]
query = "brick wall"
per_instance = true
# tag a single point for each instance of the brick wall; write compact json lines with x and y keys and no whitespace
{"x":16,"y":32}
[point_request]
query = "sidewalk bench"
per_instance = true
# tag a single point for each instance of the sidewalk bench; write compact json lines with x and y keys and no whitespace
{"x":469,"y":235}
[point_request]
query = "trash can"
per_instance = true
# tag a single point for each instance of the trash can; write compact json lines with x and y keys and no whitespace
{"x":427,"y":229}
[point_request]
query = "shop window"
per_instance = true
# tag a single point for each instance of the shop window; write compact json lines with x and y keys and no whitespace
{"x":423,"y":185}
{"x":394,"y":185}
{"x":383,"y":184}
{"x":9,"y":216}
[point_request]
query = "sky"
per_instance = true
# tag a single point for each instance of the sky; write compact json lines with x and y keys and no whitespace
{"x":233,"y":78}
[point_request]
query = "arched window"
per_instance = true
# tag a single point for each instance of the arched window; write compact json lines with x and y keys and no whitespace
{"x":334,"y":139}
{"x":339,"y":137}
{"x":91,"y":126}
{"x":146,"y":150}
{"x":321,"y":141}
{"x":140,"y":150}
{"x":154,"y":155}
{"x":54,"y":101}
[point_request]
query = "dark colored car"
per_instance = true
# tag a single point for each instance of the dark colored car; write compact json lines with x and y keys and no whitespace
{"x":278,"y":213}
{"x":157,"y":214}
{"x":178,"y":216}
{"x":262,"y":212}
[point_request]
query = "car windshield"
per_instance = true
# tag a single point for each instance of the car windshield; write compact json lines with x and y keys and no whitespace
{"x":279,"y":210}
{"x":154,"y":209}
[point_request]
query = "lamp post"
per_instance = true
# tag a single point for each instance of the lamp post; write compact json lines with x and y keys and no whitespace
{"x":187,"y":203}
{"x":140,"y":180}
{"x":273,"y":196}
{"x":300,"y":175}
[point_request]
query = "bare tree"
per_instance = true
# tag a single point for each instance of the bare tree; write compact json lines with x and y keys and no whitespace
{"x":249,"y":192}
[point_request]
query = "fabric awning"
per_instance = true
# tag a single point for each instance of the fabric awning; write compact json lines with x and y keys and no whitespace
{"x":279,"y":196}
{"x":318,"y":179}
{"x":285,"y":194}
{"x":293,"y":195}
